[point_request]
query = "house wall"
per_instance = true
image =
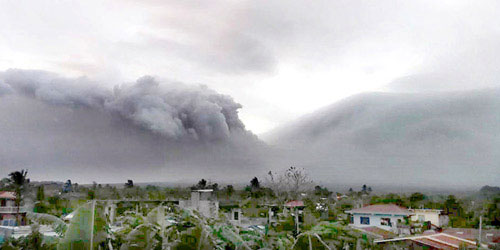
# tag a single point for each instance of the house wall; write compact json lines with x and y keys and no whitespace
{"x":8,"y":203}
{"x":232,"y":216}
{"x":8,"y":220}
{"x":429,"y":215}
{"x":375,"y":220}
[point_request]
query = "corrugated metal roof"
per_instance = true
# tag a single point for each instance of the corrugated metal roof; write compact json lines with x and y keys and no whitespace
{"x":7,"y":195}
{"x":382,"y":209}
{"x":294,"y":204}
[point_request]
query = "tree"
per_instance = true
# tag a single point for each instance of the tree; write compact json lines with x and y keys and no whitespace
{"x":229,"y":190}
{"x":321,"y":191}
{"x":452,"y":206}
{"x":129,"y":184}
{"x":202,"y":184}
{"x":91,"y":194}
{"x":17,"y":181}
{"x":292,"y":182}
{"x":40,"y":193}
{"x":40,"y":197}
{"x":67,"y":187}
{"x":493,"y":212}
{"x":215,"y":187}
{"x":415,"y":198}
{"x":297,"y":180}
{"x":255,"y":184}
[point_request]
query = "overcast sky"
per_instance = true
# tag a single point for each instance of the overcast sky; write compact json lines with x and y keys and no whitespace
{"x":279,"y":59}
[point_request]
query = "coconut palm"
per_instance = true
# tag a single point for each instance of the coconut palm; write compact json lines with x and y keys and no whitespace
{"x":17,"y":180}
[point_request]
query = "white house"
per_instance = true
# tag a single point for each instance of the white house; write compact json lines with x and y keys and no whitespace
{"x":435,"y":216}
{"x":385,"y":216}
{"x":203,"y":201}
{"x":8,"y":210}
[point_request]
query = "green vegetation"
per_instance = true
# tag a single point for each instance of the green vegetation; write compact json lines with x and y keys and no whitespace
{"x":146,"y":217}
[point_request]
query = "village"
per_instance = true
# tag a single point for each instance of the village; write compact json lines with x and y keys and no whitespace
{"x":284,"y":211}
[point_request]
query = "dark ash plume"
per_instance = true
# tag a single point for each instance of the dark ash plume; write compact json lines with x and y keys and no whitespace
{"x":73,"y":128}
{"x":173,"y":110}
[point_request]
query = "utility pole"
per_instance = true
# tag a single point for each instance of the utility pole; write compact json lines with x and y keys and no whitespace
{"x":92,"y":225}
{"x":480,"y":228}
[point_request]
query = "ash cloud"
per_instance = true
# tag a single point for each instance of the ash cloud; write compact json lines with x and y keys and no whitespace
{"x":62,"y":128}
{"x":432,"y":139}
{"x":173,"y":110}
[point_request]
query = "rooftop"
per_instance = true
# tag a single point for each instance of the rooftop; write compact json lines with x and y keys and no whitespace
{"x":488,"y":235}
{"x":437,"y":241}
{"x":294,"y":204}
{"x":381,"y":209}
{"x":420,"y":210}
{"x":7,"y":195}
{"x":203,"y":190}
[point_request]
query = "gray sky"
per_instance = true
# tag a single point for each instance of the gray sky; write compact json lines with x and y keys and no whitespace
{"x":279,"y":59}
{"x":160,"y":90}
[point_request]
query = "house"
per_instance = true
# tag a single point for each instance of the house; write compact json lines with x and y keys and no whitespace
{"x":384,"y":216}
{"x":232,"y":211}
{"x":292,"y":206}
{"x":204,"y":201}
{"x":434,"y":216}
{"x":8,"y":210}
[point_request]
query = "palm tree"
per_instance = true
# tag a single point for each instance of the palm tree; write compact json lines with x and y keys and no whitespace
{"x":18,"y":180}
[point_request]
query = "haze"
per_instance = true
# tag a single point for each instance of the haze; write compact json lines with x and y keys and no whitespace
{"x":171,"y":90}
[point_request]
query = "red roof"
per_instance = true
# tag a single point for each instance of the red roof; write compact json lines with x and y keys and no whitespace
{"x":294,"y":204}
{"x":446,"y":240}
{"x":488,"y":235}
{"x":434,"y":244}
{"x":438,"y":241}
{"x":7,"y":195}
{"x":381,"y":209}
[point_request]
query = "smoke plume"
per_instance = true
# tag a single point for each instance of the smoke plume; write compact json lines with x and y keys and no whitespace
{"x":74,"y":128}
{"x":173,"y":110}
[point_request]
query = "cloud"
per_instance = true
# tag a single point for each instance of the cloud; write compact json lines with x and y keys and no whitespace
{"x":438,"y":139}
{"x":471,"y":67}
{"x":73,"y":128}
{"x":173,"y":110}
{"x":250,"y":48}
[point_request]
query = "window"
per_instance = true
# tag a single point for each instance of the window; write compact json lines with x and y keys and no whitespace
{"x":385,"y":222}
{"x":236,"y":215}
{"x":9,"y":223}
{"x":365,"y":220}
{"x":351,"y":219}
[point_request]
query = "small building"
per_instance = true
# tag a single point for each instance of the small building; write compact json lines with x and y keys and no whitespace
{"x":8,"y":210}
{"x":204,"y":201}
{"x":294,"y":208}
{"x":235,"y":216}
{"x":385,"y":216}
{"x":434,"y":216}
{"x":232,"y":211}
